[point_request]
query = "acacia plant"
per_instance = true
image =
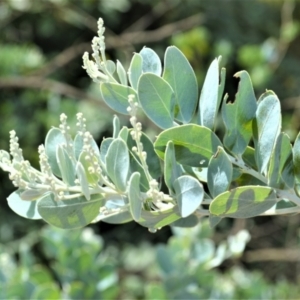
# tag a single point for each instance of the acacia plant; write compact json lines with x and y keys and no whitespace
{"x":187,"y":173}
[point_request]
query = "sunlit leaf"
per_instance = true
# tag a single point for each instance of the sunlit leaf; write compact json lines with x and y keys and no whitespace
{"x":243,"y":202}
{"x":26,"y":209}
{"x":54,"y":138}
{"x":238,"y":116}
{"x":134,"y":195}
{"x":69,"y":214}
{"x":116,"y":96}
{"x":171,"y":169}
{"x":151,"y":61}
{"x":157,"y":99}
{"x":82,"y":177}
{"x":189,"y":194}
{"x":194,"y":145}
{"x":135,"y":70}
{"x":181,"y":77}
{"x":66,"y":166}
{"x":117,"y":163}
{"x":268,"y":126}
{"x":208,"y":103}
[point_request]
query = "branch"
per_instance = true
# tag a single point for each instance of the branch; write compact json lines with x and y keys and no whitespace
{"x":50,"y":85}
{"x":271,"y":254}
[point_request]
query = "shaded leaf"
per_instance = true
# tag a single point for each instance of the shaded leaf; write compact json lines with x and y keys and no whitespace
{"x":243,"y":202}
{"x":116,"y":96}
{"x":32,"y":195}
{"x":82,"y":177}
{"x":157,"y":99}
{"x":181,"y":77}
{"x":189,"y":194}
{"x":187,"y":222}
{"x":238,"y":116}
{"x":104,"y":148}
{"x":26,"y":209}
{"x":91,"y":174}
{"x":194,"y":145}
{"x":219,"y":173}
{"x":69,"y":214}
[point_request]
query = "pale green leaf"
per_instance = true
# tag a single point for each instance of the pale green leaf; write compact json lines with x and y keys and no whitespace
{"x":122,"y":73}
{"x":157,"y":99}
{"x":181,"y":77}
{"x":54,"y":138}
{"x":123,"y":134}
{"x":69,"y":214}
{"x":117,"y":163}
{"x":171,"y":169}
{"x":189,"y":194}
{"x":104,"y":148}
{"x":208,"y":102}
{"x":82,"y":177}
{"x":268,"y":126}
{"x":278,"y":173}
{"x":238,"y":116}
{"x":219,"y":173}
{"x":32,"y":194}
{"x":90,"y":174}
{"x":116,"y":96}
{"x":110,"y":66}
{"x":116,"y":126}
{"x":151,"y":61}
{"x":243,"y":202}
{"x":135,"y":197}
{"x":66,"y":166}
{"x":194,"y":145}
{"x":135,"y":70}
{"x":25,"y":209}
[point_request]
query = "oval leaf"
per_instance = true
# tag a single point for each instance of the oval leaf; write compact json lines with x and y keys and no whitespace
{"x":181,"y":77}
{"x":82,"y":177}
{"x":151,"y":61}
{"x":116,"y":96}
{"x":117,"y":163}
{"x":122,"y":74}
{"x":189,"y":194}
{"x":194,"y":145}
{"x":66,"y":166}
{"x":25,"y":209}
{"x":157,"y":99}
{"x":69,"y":214}
{"x":243,"y":202}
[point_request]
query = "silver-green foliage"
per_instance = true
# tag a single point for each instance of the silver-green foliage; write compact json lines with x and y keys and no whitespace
{"x":119,"y":181}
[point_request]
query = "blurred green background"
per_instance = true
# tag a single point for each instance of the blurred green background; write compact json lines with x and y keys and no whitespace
{"x":41,"y":76}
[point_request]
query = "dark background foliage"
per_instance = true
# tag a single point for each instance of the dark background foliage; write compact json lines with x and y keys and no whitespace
{"x":41,"y":45}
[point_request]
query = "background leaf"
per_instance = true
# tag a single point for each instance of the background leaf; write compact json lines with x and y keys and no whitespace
{"x":157,"y":99}
{"x":243,"y":202}
{"x":181,"y":77}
